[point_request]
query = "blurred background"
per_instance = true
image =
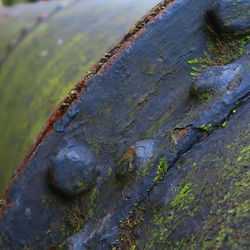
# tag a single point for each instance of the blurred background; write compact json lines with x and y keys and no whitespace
{"x":45,"y":48}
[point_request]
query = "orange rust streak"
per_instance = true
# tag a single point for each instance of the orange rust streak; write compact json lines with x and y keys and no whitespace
{"x":179,"y":134}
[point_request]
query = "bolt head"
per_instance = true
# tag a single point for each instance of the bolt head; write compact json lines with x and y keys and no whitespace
{"x":73,"y":170}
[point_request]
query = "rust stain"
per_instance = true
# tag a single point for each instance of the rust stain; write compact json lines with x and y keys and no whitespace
{"x":179,"y":134}
{"x":128,"y":155}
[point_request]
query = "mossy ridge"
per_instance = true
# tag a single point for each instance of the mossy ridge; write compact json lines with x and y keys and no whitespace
{"x":223,"y":48}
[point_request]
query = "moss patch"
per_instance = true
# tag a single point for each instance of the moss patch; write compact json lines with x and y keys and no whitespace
{"x":161,"y":170}
{"x":223,"y":48}
{"x":210,"y":207}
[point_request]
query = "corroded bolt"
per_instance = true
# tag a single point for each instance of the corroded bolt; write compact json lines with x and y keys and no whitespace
{"x":73,"y":170}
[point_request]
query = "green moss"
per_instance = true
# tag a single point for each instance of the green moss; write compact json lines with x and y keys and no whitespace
{"x":11,"y":2}
{"x":49,"y":199}
{"x":161,"y":170}
{"x":200,"y":94}
{"x":246,"y":149}
{"x":194,"y":61}
{"x":234,"y":209}
{"x":195,"y":69}
{"x":93,"y":196}
{"x":184,"y":198}
{"x":81,"y":186}
{"x":224,"y":124}
{"x":75,"y":217}
{"x":234,"y":84}
{"x":165,"y":221}
{"x":49,"y":231}
{"x":223,"y":48}
{"x":133,"y":247}
{"x":213,"y":199}
{"x":207,"y":127}
{"x":144,"y":170}
{"x":193,"y":74}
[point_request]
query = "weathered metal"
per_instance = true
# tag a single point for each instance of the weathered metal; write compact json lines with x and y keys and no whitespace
{"x":149,"y":108}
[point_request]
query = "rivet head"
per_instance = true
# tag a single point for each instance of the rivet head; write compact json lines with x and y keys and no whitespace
{"x":73,"y":170}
